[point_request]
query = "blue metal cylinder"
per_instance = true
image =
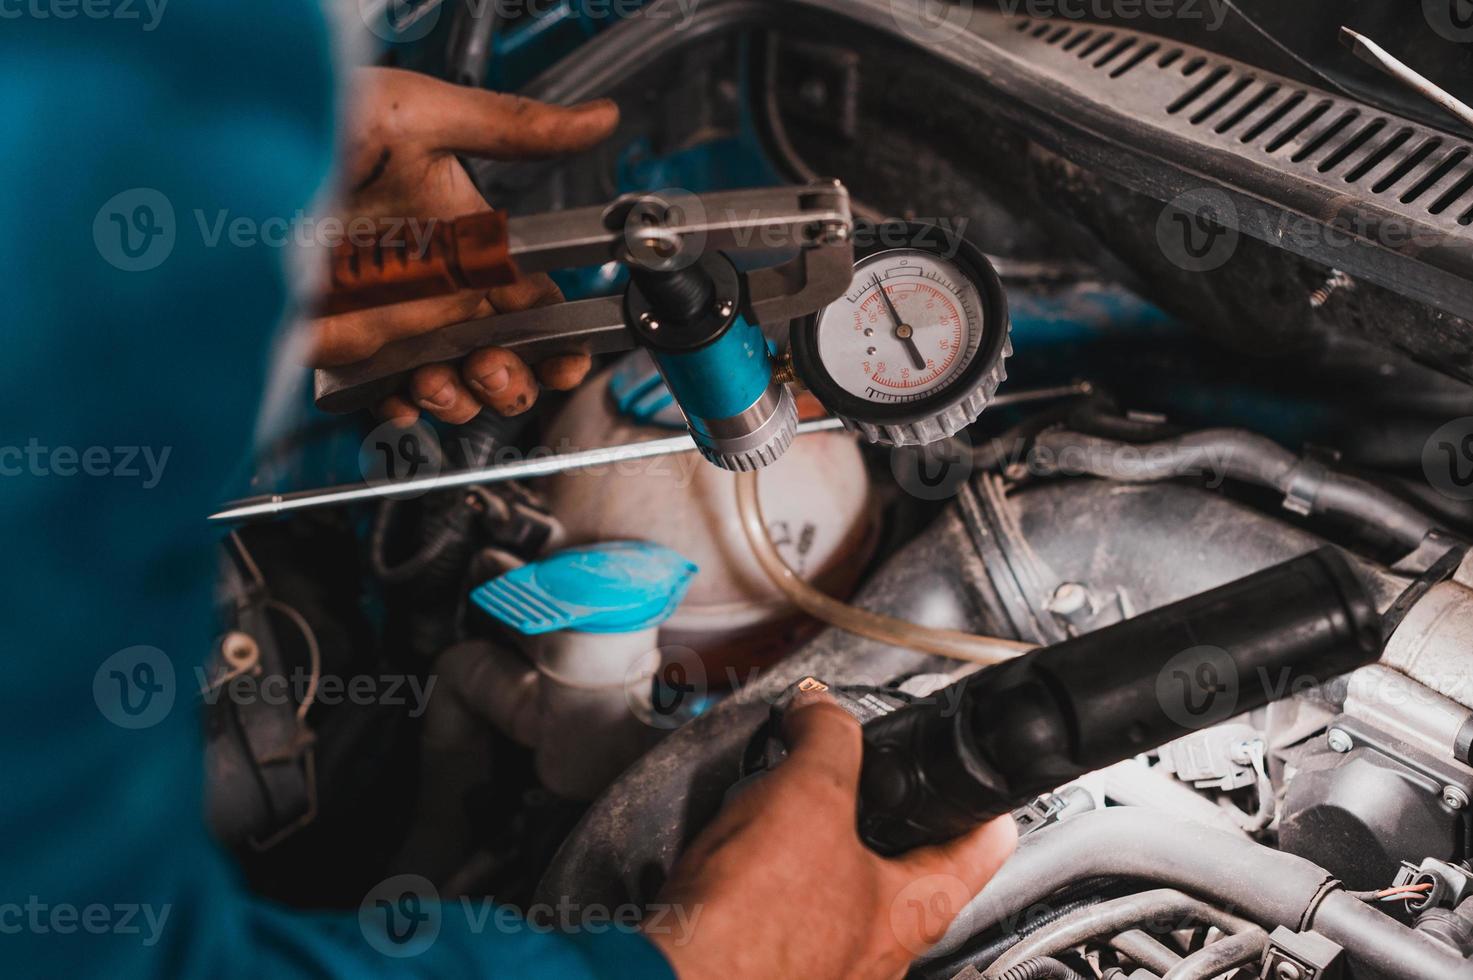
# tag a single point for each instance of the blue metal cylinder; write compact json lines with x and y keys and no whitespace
{"x":722,"y":379}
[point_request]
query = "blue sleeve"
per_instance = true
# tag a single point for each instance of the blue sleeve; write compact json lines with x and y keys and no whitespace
{"x":135,"y":347}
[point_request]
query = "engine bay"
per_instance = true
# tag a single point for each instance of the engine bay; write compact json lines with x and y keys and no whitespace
{"x":1208,"y":309}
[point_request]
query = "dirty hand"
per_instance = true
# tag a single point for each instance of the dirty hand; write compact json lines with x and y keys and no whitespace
{"x":400,"y":163}
{"x":780,"y":885}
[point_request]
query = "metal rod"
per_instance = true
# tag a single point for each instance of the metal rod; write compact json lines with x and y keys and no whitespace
{"x":1373,"y":54}
{"x":525,"y":469}
{"x":273,"y":505}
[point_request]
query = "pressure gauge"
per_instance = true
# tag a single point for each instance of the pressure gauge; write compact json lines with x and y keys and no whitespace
{"x":914,"y":351}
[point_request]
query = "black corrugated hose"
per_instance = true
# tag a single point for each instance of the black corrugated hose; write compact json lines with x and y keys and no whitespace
{"x":1041,"y":968}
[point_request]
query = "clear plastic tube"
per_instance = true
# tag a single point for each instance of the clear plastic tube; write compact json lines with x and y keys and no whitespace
{"x":875,"y":626}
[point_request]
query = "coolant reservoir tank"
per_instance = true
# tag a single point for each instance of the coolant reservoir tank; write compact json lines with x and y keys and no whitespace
{"x":590,"y":618}
{"x":817,"y":500}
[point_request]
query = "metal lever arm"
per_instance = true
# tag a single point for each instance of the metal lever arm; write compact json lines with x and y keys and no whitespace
{"x":650,"y":230}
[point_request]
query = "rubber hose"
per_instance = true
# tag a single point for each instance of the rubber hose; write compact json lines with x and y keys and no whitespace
{"x":1121,"y":914}
{"x":1238,"y":455}
{"x":1042,"y":968}
{"x":1270,"y":887}
{"x":1226,"y":954}
{"x":875,"y":626}
{"x":981,"y":957}
{"x":1145,"y":949}
{"x":445,"y":531}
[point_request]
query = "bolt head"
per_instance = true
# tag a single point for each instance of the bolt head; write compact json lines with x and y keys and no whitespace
{"x":1287,"y":970}
{"x":1454,"y":797}
{"x":1339,"y":741}
{"x":1069,"y":598}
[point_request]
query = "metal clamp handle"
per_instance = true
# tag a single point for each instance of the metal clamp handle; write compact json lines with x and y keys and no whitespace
{"x":655,"y":230}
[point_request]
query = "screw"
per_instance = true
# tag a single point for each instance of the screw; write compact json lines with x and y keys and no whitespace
{"x":1069,"y":599}
{"x":834,"y":233}
{"x":239,"y":649}
{"x":1337,"y":280}
{"x":1287,"y":970}
{"x":1454,"y":797}
{"x":725,"y":307}
{"x":783,"y":371}
{"x":1339,"y":741}
{"x":650,"y":323}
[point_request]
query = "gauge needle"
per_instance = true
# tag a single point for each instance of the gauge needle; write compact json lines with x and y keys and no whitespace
{"x":902,"y":329}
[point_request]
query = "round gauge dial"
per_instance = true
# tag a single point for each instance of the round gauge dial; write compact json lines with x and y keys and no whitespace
{"x":909,"y":322}
{"x":914,"y":350}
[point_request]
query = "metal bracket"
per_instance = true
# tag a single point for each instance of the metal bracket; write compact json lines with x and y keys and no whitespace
{"x":1301,"y":956}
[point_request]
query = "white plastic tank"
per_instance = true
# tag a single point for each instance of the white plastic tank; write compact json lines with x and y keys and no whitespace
{"x":817,"y":499}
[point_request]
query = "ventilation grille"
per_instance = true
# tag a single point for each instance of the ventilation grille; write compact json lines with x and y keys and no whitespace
{"x":1408,"y":167}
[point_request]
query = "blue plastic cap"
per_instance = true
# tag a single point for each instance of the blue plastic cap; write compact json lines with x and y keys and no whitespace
{"x":614,"y":587}
{"x":640,"y":393}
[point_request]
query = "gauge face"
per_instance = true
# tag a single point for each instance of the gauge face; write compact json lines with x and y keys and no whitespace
{"x":909,"y":325}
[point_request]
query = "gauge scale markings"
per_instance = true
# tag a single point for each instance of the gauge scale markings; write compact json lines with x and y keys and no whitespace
{"x":873,"y":362}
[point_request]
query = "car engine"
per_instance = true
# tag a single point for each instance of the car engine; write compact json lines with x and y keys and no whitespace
{"x":1238,"y":268}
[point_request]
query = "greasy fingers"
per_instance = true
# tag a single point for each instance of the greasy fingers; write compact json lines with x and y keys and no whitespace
{"x":525,"y":293}
{"x":396,"y":409}
{"x":500,"y":379}
{"x":564,"y":371}
{"x":349,"y":337}
{"x":509,"y":127}
{"x":437,"y":389}
{"x":825,"y":741}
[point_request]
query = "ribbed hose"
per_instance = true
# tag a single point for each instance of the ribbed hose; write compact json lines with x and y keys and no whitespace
{"x":432,"y":577}
{"x":1099,"y":922}
{"x":442,"y":532}
{"x":1225,"y":955}
{"x":884,"y":629}
{"x":1238,"y":455}
{"x":981,"y":957}
{"x":1042,"y":968}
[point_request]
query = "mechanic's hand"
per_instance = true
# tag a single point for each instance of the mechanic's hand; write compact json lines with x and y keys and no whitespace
{"x":787,"y":889}
{"x":400,"y":163}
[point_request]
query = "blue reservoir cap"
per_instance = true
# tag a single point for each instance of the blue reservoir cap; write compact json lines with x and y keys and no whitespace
{"x":613,"y":587}
{"x":640,"y":393}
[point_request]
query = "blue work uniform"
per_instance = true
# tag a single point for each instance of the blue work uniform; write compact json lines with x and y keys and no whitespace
{"x":135,"y":347}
